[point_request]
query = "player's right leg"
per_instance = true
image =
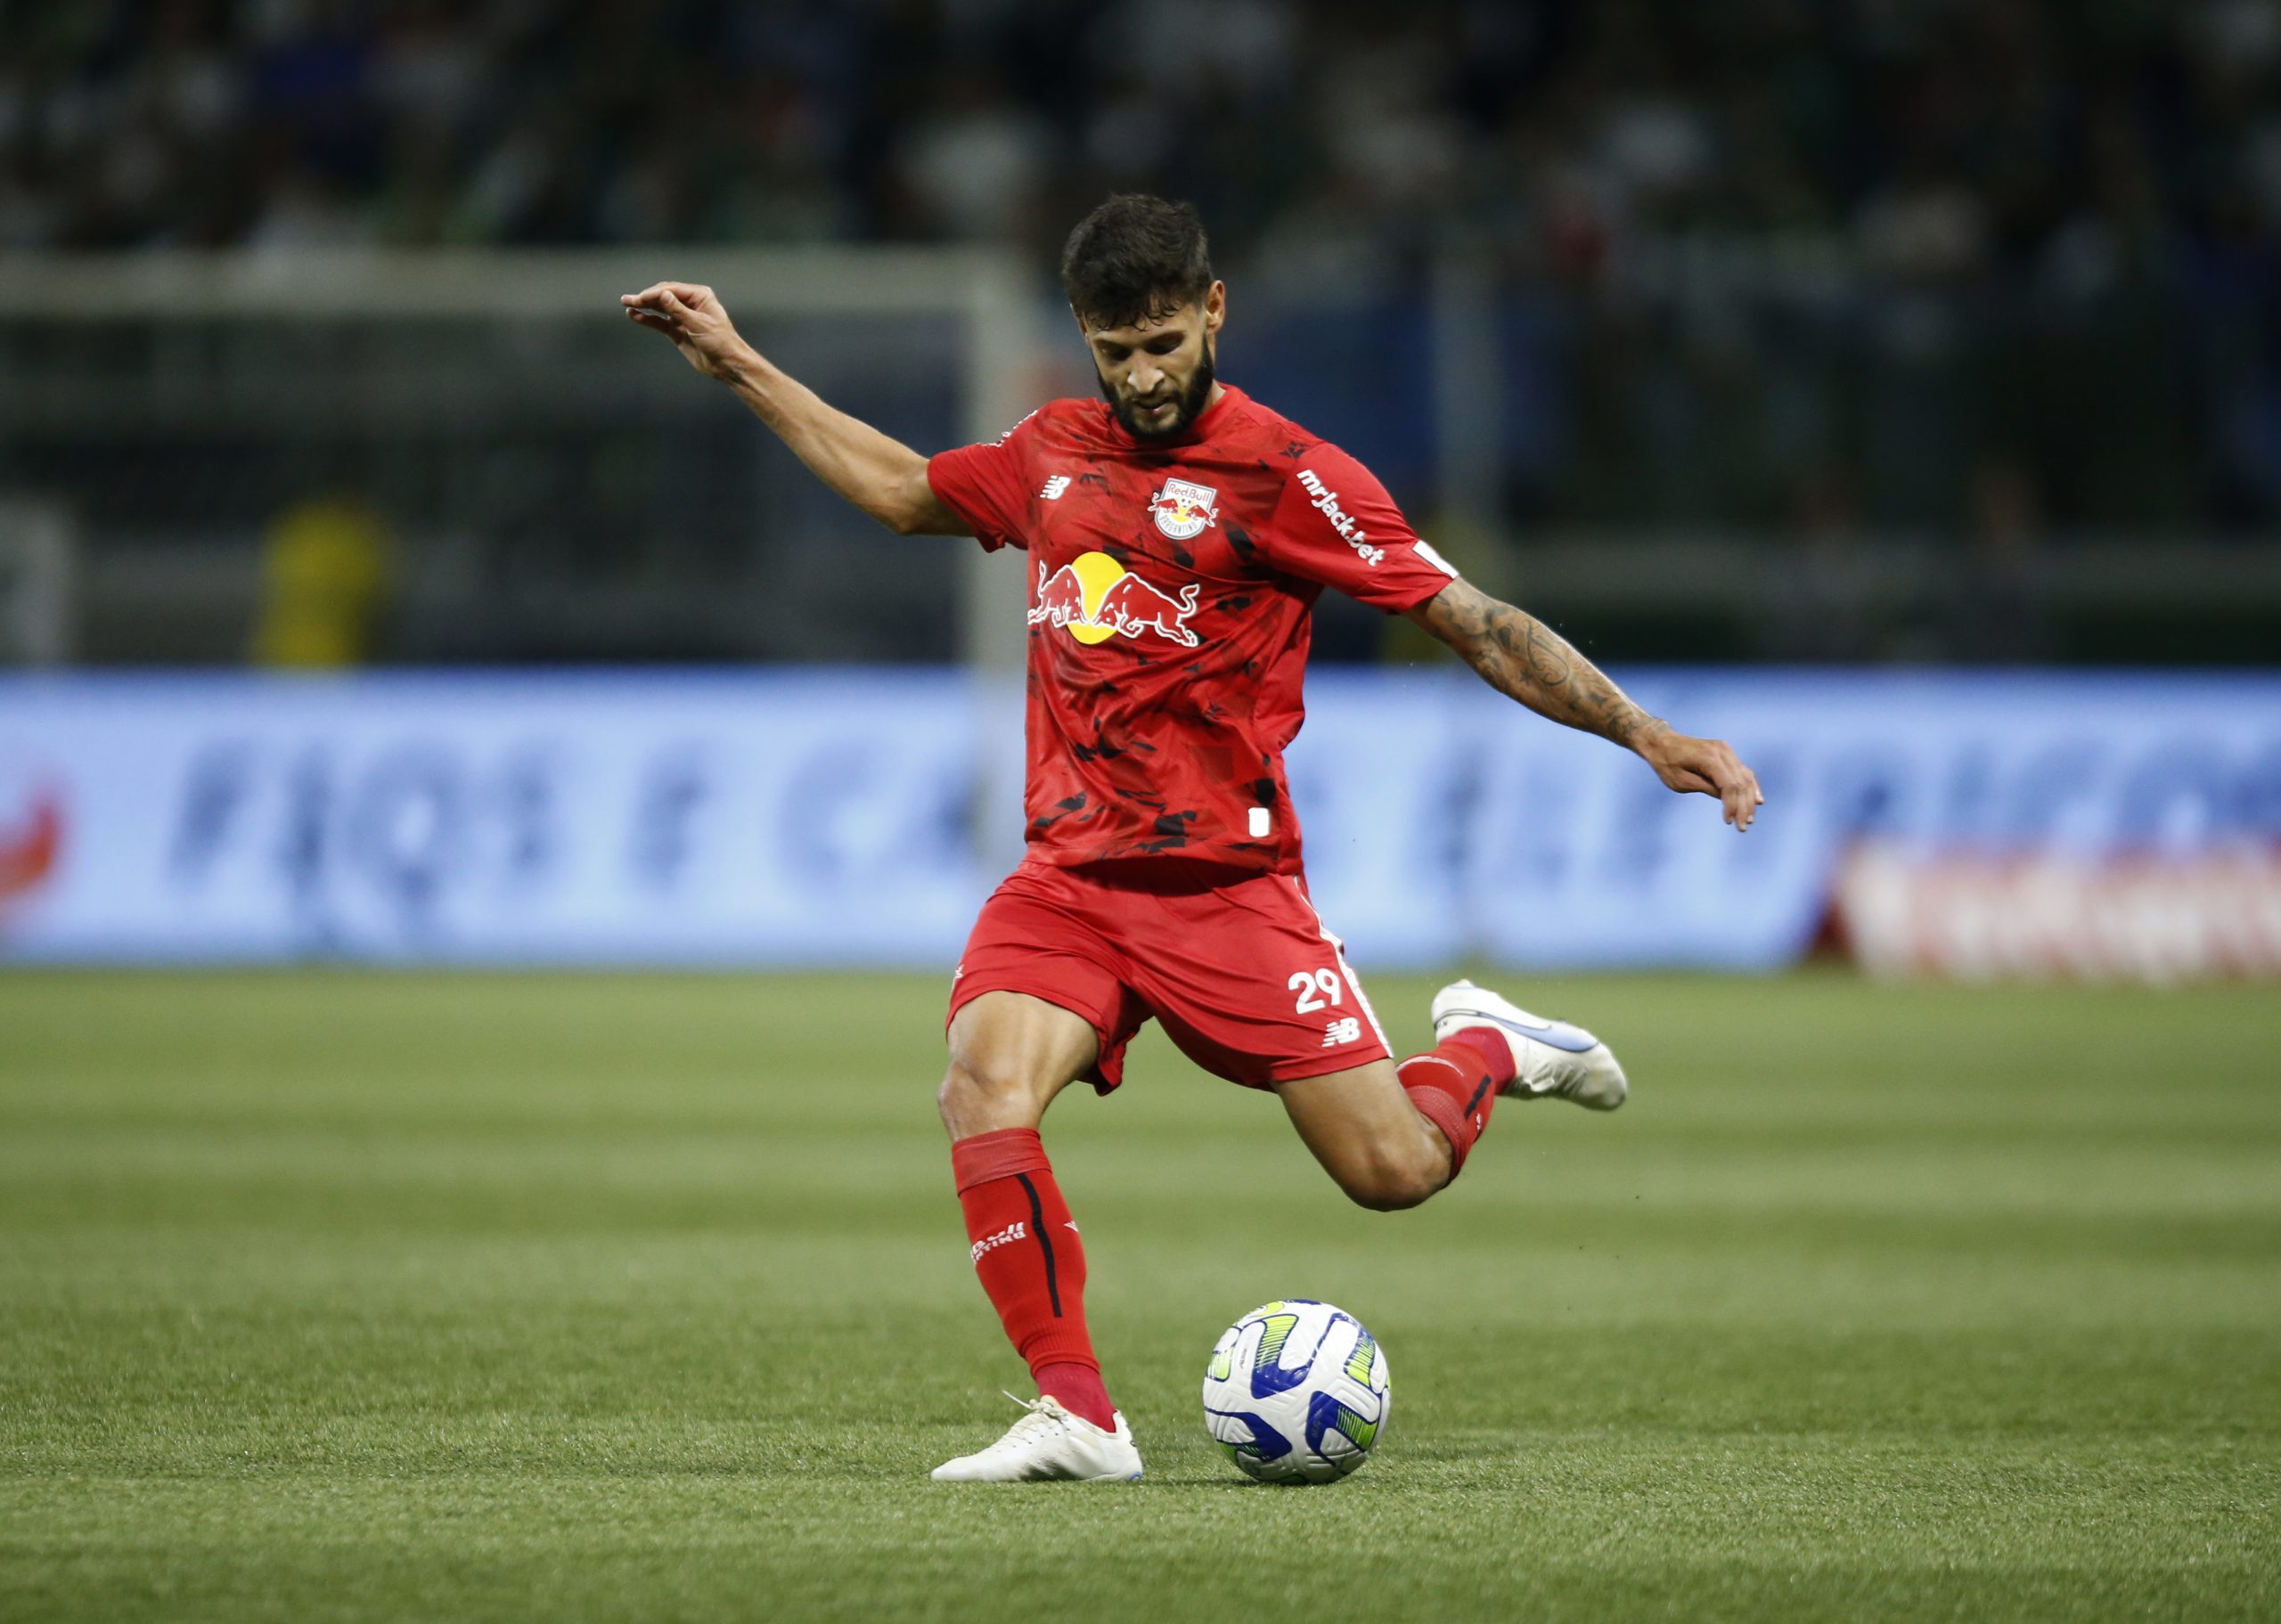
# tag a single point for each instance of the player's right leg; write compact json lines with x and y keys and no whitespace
{"x":1010,"y":1055}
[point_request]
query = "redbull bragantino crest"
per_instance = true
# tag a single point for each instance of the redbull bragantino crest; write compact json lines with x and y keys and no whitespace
{"x":1095,"y":598}
{"x":1182,"y":510}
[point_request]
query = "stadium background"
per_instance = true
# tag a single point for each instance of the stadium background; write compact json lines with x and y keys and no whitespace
{"x":1892,"y":387}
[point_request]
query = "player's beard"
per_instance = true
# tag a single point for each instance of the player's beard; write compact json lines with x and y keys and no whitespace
{"x":1186,"y":408}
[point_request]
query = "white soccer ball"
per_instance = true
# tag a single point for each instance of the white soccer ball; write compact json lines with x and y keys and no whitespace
{"x":1296,"y":1392}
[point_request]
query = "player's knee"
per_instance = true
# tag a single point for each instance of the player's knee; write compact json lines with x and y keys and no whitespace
{"x":977,"y":1097}
{"x":965,"y":1086}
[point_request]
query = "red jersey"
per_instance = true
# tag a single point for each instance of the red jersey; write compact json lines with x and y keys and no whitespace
{"x":1172,"y":584}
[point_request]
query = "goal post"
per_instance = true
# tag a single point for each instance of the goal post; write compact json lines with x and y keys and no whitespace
{"x":171,"y":315}
{"x":39,"y":563}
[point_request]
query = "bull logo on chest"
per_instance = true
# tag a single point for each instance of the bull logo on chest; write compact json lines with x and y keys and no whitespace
{"x":1095,"y":598}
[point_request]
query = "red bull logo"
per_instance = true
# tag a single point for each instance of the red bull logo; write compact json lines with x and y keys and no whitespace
{"x":1096,"y":598}
{"x":28,"y":849}
{"x":1182,"y":510}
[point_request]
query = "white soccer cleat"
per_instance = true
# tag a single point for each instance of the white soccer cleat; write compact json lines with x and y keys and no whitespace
{"x":1549,"y":1056}
{"x":1047,"y":1444}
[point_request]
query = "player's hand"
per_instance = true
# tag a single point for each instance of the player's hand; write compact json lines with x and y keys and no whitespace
{"x":693,"y":318}
{"x":1704,"y":766}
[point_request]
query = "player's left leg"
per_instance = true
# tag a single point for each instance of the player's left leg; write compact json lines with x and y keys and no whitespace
{"x":1375,"y":1144}
{"x":1366,"y":1124}
{"x":1251,"y":985}
{"x":1391,"y":1136}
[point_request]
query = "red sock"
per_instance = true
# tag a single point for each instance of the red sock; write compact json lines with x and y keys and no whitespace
{"x":1455,"y":1086}
{"x":1032,"y":1264}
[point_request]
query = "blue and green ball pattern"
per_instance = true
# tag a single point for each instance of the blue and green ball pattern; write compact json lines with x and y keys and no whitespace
{"x":1297,"y":1391}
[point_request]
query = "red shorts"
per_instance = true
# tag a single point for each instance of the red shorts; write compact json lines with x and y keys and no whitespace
{"x":1238,"y":966}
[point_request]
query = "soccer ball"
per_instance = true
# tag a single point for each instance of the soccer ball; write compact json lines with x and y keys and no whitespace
{"x":1296,"y":1392}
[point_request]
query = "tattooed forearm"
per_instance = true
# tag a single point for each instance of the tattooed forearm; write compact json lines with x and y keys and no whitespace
{"x":1520,"y":656}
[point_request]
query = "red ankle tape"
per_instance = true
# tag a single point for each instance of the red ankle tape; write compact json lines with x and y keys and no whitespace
{"x":1444,"y":1113}
{"x":1000,"y":1155}
{"x":1493,"y":1051}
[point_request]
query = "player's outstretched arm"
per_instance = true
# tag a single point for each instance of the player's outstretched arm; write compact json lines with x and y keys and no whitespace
{"x":877,"y":473}
{"x":1519,"y":654}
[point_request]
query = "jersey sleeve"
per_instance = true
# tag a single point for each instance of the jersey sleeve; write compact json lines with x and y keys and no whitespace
{"x":988,"y":485}
{"x":1336,"y":524}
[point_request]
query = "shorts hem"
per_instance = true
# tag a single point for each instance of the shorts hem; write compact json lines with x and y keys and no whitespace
{"x":1318,"y":1065}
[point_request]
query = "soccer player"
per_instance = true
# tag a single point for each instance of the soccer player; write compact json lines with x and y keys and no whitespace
{"x":1178,"y":534}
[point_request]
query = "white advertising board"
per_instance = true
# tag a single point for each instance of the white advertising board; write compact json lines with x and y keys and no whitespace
{"x":844,"y":816}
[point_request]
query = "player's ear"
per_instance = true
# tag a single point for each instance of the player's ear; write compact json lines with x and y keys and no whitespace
{"x":1216,"y":307}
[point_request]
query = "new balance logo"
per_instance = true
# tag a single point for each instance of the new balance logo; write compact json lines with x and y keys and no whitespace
{"x":1055,"y":486}
{"x":1326,"y":502}
{"x":1348,"y":1031}
{"x":1012,"y":1232}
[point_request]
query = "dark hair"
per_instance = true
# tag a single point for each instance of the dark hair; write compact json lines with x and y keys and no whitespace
{"x":1135,"y":258}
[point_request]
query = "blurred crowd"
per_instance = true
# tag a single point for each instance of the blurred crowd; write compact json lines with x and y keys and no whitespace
{"x":1813,"y":265}
{"x":1937,"y":134}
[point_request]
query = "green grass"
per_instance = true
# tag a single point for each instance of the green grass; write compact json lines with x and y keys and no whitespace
{"x":337,"y":1296}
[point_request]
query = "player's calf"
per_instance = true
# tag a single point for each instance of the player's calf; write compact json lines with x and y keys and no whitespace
{"x":1386,"y":1182}
{"x":1373,"y":1142}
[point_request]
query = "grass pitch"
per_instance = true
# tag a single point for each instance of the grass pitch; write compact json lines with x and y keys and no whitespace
{"x":340,"y":1296}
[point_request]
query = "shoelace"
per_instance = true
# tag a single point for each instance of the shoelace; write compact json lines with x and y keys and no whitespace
{"x":1039,"y":1423}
